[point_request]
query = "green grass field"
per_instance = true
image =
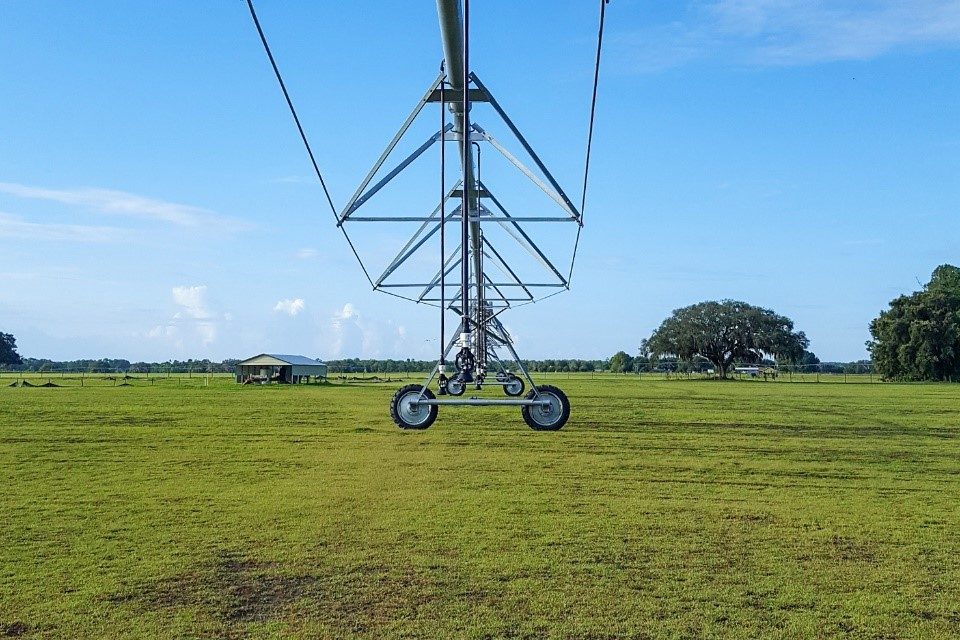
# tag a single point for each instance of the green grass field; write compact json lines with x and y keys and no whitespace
{"x":662,"y":510}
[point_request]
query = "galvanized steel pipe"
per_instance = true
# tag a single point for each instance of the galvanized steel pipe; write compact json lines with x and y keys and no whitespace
{"x":452,"y":33}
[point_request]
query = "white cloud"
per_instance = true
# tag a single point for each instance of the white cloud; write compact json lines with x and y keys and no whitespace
{"x":347,"y":334}
{"x":290,"y":306}
{"x":15,"y":227}
{"x":353,"y":335}
{"x":306,"y":254}
{"x":349,"y":312}
{"x":191,"y":299}
{"x":193,"y":325}
{"x":792,"y":32}
{"x":109,"y":201}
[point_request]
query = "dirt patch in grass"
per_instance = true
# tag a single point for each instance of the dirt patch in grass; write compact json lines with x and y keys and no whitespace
{"x":748,"y":518}
{"x":13,"y":629}
{"x":852,"y":550}
{"x":236,"y":591}
{"x":232,"y":589}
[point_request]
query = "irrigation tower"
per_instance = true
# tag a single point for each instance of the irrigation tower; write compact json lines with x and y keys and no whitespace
{"x":488,"y":257}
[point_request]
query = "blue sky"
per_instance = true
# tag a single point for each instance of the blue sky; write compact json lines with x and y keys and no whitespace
{"x":155,"y":201}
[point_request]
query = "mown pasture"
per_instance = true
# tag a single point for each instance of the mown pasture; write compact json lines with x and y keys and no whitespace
{"x":664,"y":509}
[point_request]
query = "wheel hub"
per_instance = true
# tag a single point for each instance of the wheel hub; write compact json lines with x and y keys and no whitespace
{"x":549,"y":412}
{"x":411,"y":410}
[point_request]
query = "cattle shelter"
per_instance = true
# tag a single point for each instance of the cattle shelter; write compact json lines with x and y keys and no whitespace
{"x":281,"y":368}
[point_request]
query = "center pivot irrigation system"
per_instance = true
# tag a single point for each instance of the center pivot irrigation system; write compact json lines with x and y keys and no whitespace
{"x":489,"y":283}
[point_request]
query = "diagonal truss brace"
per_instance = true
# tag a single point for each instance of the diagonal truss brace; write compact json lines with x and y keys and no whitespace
{"x":556,"y":197}
{"x":356,"y":204}
{"x":510,"y":226}
{"x":495,"y":256}
{"x":353,"y":203}
{"x":526,"y":146}
{"x":416,"y":241}
{"x":452,"y":263}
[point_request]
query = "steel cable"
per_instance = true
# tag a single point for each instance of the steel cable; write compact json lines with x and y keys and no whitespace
{"x":593,"y":111}
{"x":303,"y":136}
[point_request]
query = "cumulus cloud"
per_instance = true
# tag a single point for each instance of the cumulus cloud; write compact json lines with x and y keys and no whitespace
{"x":347,"y":332}
{"x":290,"y":306}
{"x":354,"y":335}
{"x":191,"y":299}
{"x":109,"y":201}
{"x":193,"y":324}
{"x":791,"y":32}
{"x":306,"y":254}
{"x":349,"y":312}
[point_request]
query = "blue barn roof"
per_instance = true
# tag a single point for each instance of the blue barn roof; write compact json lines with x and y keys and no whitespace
{"x":291,"y":359}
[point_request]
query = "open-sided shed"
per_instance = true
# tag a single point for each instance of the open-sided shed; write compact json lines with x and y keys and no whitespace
{"x":282,"y":368}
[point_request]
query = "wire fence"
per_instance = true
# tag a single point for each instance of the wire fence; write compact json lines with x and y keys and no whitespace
{"x":827,"y":372}
{"x":861,"y":372}
{"x":184,"y":379}
{"x":66,"y":378}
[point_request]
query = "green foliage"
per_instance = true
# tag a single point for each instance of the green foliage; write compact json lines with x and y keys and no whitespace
{"x":8,"y":349}
{"x":121,"y":365}
{"x":726,"y":332}
{"x":918,"y":337}
{"x":572,"y":364}
{"x":662,"y":510}
{"x":336,"y":367}
{"x":358,"y":365}
{"x":621,"y":362}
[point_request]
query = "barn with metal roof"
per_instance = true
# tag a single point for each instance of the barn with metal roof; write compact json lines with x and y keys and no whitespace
{"x":281,"y":368}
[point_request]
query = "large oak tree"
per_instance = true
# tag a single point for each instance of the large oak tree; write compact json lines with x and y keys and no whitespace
{"x":918,"y":337}
{"x":725,"y":332}
{"x":8,"y":349}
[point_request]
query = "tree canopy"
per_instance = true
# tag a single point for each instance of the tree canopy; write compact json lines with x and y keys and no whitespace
{"x":621,"y":362}
{"x":8,"y":349}
{"x":918,"y":337}
{"x":725,"y":332}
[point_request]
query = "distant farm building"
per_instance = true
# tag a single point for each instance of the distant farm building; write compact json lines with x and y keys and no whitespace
{"x":276,"y":367}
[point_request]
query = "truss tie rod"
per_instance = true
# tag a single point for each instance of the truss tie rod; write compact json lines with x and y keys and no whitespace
{"x":457,"y":217}
{"x":484,"y":402}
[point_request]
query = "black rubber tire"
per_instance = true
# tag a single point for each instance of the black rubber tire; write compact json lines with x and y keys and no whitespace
{"x":519,"y":392}
{"x":396,"y":410}
{"x":536,"y":421}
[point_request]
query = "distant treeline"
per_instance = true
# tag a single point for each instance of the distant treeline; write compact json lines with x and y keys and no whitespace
{"x":114,"y":365}
{"x":356,"y":365}
{"x":335,"y":367}
{"x":619,"y":363}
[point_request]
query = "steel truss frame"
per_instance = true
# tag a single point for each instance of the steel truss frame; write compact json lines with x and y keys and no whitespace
{"x":483,"y":294}
{"x":487,"y":296}
{"x":481,"y":298}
